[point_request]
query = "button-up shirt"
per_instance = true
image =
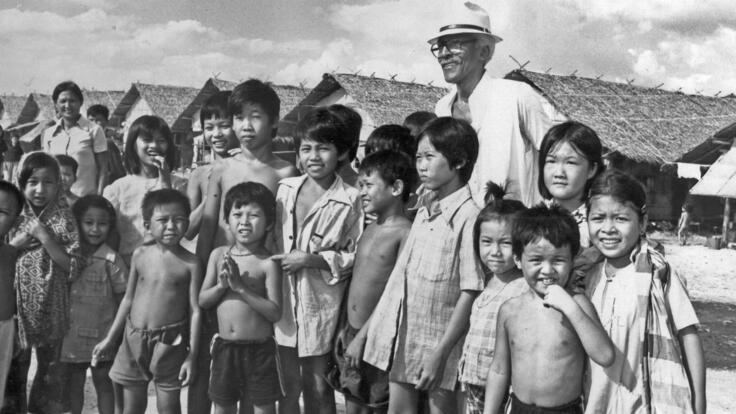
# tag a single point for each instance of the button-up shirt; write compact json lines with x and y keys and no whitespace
{"x":436,"y":264}
{"x":511,"y":120}
{"x":312,"y":296}
{"x":81,"y":142}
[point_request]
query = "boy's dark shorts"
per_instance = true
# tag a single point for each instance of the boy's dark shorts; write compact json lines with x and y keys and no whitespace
{"x":519,"y":407}
{"x":151,"y":354}
{"x":244,"y":367}
{"x":366,"y":385}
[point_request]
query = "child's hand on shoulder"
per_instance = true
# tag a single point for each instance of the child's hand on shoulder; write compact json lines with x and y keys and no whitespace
{"x":558,"y":298}
{"x":24,"y":241}
{"x":37,"y":230}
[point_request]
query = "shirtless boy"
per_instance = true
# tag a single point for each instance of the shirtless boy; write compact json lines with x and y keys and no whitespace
{"x":217,"y":130}
{"x":159,"y":311}
{"x":254,"y":107}
{"x":11,"y":204}
{"x":544,"y":336}
{"x":245,"y":286}
{"x":385,"y":181}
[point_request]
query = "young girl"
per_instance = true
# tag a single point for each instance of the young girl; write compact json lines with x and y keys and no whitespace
{"x":569,"y":158}
{"x":149,"y":151}
{"x":95,"y":296}
{"x":48,"y":259}
{"x":419,"y":322}
{"x":645,"y":309}
{"x":492,"y":243}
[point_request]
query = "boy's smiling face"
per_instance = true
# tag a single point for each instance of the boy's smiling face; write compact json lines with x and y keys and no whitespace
{"x":169,"y":223}
{"x":218,"y":133}
{"x":318,"y":159}
{"x":544,"y":264}
{"x":253,"y":126}
{"x":375,"y":193}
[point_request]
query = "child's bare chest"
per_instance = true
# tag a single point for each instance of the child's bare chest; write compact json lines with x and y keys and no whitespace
{"x":304,"y":203}
{"x":545,"y":332}
{"x":238,"y":173}
{"x":251,"y":274}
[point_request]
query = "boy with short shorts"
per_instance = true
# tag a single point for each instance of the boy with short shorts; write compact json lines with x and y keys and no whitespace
{"x":159,"y":313}
{"x":385,"y":181}
{"x":245,"y":286}
{"x":545,"y":335}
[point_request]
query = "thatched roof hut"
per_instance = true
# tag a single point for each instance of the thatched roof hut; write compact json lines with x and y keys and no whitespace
{"x":643,"y":124}
{"x":165,"y":101}
{"x":12,"y":107}
{"x":38,"y":107}
{"x":379,"y":101}
{"x":110,"y":99}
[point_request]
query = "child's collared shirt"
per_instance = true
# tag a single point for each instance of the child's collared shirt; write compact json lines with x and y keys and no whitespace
{"x":481,"y":338}
{"x":312,"y":296}
{"x":436,"y":264}
{"x":93,"y":304}
{"x":81,"y":142}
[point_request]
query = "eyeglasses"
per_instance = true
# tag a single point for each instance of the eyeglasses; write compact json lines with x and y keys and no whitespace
{"x":454,"y":46}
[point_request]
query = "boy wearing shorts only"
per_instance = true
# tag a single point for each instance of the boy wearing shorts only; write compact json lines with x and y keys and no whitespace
{"x":385,"y":181}
{"x":545,"y":335}
{"x":159,"y":313}
{"x":245,"y":285}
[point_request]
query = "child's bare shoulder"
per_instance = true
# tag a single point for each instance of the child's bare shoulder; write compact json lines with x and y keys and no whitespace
{"x":283,"y":168}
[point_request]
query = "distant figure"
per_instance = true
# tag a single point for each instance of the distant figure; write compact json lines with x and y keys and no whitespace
{"x":683,"y":225}
{"x":11,"y":158}
{"x":99,"y":114}
{"x":68,"y":167}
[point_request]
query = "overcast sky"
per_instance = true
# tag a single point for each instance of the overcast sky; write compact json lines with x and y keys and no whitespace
{"x":107,"y":44}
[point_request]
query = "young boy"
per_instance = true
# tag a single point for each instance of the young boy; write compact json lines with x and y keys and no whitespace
{"x":245,"y":285}
{"x":254,"y":108}
{"x":320,"y":222}
{"x":545,"y":335}
{"x":99,"y":114}
{"x":217,"y":131}
{"x":11,"y":204}
{"x":385,"y":181}
{"x":418,"y":325}
{"x":159,"y":311}
{"x":68,"y":167}
{"x":683,"y":225}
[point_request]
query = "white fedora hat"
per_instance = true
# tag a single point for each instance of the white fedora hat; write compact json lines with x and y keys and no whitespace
{"x":466,"y":18}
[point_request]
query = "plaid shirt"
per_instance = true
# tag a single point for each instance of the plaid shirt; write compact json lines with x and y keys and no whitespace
{"x":481,"y":338}
{"x":437,"y":263}
{"x":312,"y":296}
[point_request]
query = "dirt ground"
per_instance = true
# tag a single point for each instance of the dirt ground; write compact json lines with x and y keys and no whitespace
{"x":712,"y":285}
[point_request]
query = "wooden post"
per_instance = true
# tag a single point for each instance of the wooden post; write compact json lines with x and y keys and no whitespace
{"x":726,"y":218}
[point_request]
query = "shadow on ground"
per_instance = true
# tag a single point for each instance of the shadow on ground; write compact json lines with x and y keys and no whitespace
{"x":718,"y":333}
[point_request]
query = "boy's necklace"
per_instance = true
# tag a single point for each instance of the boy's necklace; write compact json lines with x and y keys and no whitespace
{"x":239,"y":252}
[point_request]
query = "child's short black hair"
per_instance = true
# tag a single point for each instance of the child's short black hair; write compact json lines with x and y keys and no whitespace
{"x":553,"y":223}
{"x":496,"y":209}
{"x":215,"y":107}
{"x":162,"y":197}
{"x":622,"y":187}
{"x":391,"y":137}
{"x":67,"y":161}
{"x":417,"y":120}
{"x":67,"y":86}
{"x":325,"y":126}
{"x":93,"y":200}
{"x":253,"y":91}
{"x":148,"y":126}
{"x":456,"y":140}
{"x":9,"y":188}
{"x":98,"y":110}
{"x":353,"y":122}
{"x":391,"y":166}
{"x":250,"y":192}
{"x":34,"y":161}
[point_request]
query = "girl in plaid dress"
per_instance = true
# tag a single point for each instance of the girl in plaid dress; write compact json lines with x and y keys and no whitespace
{"x":492,"y":244}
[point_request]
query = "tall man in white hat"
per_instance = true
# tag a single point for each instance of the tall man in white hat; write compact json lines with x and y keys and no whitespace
{"x":510,"y":117}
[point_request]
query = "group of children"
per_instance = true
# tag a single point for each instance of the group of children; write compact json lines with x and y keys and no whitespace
{"x":390,"y":285}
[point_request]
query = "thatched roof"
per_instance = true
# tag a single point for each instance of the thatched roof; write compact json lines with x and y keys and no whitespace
{"x":165,"y":101}
{"x":110,"y":99}
{"x":36,"y":108}
{"x":387,"y":101}
{"x":720,"y":180}
{"x":13,"y":105}
{"x":710,"y":150}
{"x":643,"y":124}
{"x":290,"y":96}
